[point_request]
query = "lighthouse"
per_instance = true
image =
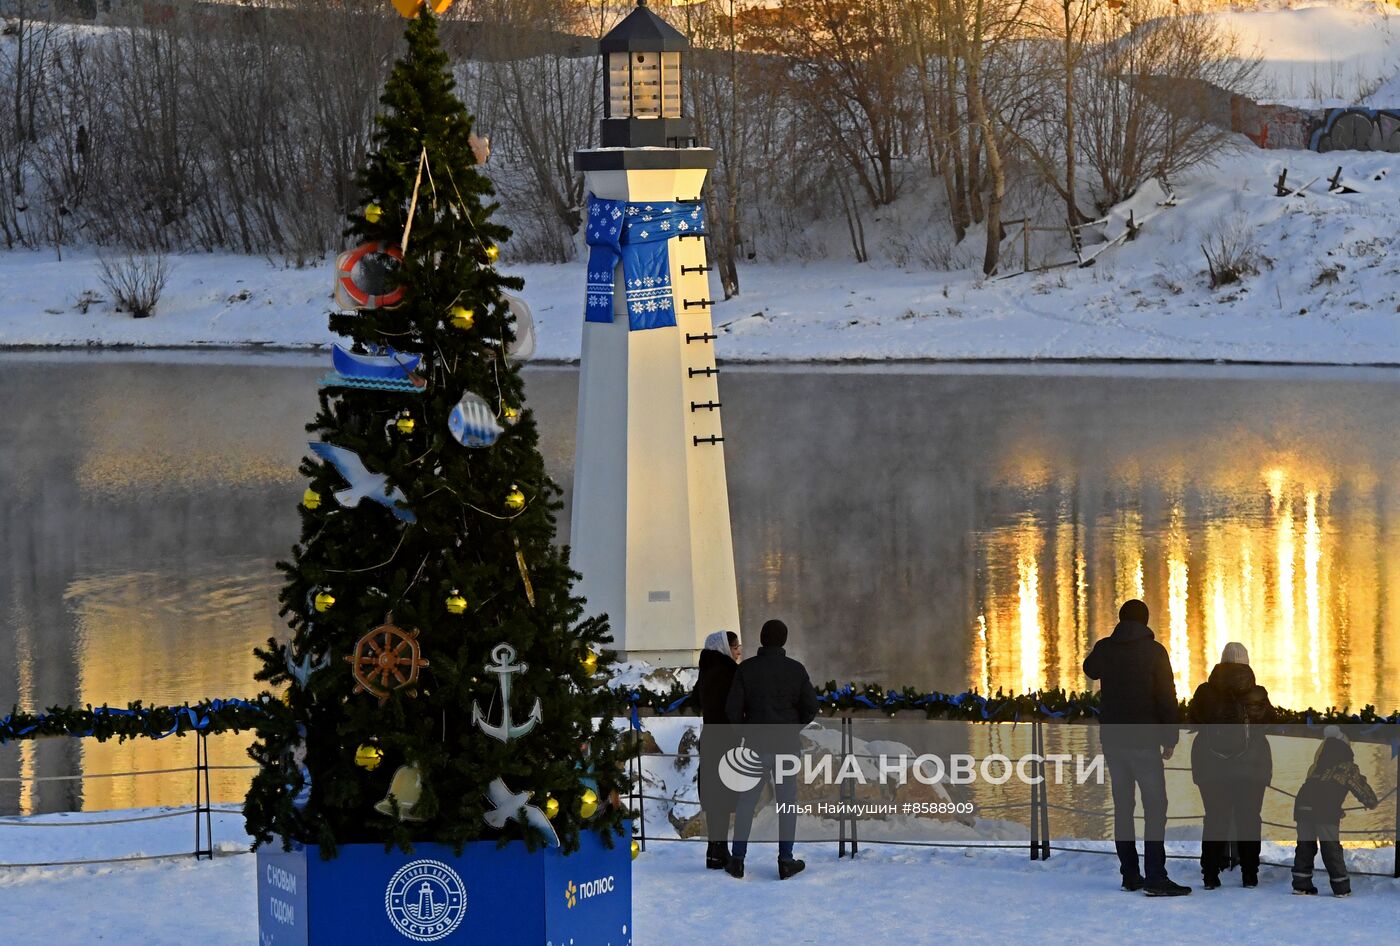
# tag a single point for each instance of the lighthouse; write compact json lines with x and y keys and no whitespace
{"x":650,"y":528}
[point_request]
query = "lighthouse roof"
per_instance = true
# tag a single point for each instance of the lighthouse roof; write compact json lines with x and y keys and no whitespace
{"x":643,"y":31}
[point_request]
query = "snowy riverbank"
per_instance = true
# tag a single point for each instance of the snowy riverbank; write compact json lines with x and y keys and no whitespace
{"x":887,"y":895}
{"x":1326,"y":290}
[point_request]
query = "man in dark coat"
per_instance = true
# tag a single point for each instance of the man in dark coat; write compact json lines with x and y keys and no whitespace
{"x":1138,"y":713}
{"x":719,"y":660}
{"x":1231,"y":763}
{"x":771,"y":691}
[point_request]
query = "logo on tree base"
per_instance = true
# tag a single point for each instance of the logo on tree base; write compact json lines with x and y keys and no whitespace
{"x":425,"y":900}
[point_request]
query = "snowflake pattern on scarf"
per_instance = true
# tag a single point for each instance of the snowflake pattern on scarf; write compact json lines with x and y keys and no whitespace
{"x":636,"y":235}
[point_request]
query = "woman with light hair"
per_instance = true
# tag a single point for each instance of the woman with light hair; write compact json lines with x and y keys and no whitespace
{"x":1231,"y":763}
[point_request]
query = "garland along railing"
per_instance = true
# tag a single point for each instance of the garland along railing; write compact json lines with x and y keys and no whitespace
{"x":234,"y":715}
{"x":137,"y":720}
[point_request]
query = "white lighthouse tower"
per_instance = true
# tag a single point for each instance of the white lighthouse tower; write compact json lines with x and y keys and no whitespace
{"x":650,"y":528}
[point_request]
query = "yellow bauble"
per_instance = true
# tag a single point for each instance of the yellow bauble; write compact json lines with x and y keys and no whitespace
{"x":368,"y":757}
{"x":310,"y":499}
{"x":590,"y":661}
{"x":373,"y":212}
{"x":636,"y":849}
{"x":324,"y":601}
{"x":456,"y":604}
{"x":551,"y":807}
{"x":461,"y":317}
{"x":404,"y":424}
{"x":588,"y":803}
{"x":493,"y":252}
{"x":515,"y":499}
{"x":510,"y":414}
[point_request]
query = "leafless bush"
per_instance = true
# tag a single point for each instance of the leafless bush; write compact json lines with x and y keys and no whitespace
{"x":1231,"y":251}
{"x":135,"y":281}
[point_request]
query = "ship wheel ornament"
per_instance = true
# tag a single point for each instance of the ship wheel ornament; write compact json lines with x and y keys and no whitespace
{"x":388,"y":658}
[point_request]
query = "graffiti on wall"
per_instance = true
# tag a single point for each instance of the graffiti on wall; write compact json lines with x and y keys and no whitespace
{"x":1357,"y":129}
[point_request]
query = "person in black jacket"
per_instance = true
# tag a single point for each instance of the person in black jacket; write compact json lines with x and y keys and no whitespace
{"x":1138,"y":713}
{"x":1318,"y":812}
{"x":1231,"y":763}
{"x":718,"y":662}
{"x":773,"y":691}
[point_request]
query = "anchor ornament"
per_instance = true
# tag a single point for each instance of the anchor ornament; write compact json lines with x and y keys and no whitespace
{"x":502,"y":665}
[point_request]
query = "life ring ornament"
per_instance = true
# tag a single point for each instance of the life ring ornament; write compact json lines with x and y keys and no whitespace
{"x":364,"y":277}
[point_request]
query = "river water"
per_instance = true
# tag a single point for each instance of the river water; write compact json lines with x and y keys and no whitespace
{"x":948,"y":527}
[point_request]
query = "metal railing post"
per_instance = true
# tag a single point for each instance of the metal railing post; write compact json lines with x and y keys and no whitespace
{"x":841,"y":822}
{"x":1044,"y":797}
{"x":641,"y":789}
{"x":203,"y":831}
{"x":1035,"y":795}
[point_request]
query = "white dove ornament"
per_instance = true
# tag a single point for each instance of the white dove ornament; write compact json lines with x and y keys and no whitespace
{"x":363,"y":484}
{"x":473,"y":423}
{"x":514,"y":806}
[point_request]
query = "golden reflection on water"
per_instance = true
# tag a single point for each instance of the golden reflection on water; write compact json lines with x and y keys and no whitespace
{"x":1273,"y":563}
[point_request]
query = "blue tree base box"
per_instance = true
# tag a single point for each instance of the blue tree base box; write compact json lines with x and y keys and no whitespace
{"x":506,"y":896}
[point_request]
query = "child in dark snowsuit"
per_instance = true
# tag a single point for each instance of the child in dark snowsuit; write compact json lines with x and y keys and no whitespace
{"x":1318,"y":812}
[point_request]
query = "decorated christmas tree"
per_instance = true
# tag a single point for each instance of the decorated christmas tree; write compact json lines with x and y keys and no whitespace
{"x":440,"y":682}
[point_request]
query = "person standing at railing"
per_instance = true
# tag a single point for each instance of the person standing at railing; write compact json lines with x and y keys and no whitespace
{"x":773,"y":696}
{"x":718,"y":662}
{"x":1318,"y":812}
{"x":1231,"y":763}
{"x":1138,"y":713}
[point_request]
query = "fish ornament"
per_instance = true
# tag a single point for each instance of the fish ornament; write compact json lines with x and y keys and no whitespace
{"x":473,"y":423}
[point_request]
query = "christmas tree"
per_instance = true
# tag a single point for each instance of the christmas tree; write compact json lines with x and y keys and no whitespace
{"x":439,"y":667}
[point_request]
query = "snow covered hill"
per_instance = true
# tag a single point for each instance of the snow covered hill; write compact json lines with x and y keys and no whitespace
{"x":1321,"y":284}
{"x":1321,"y":55}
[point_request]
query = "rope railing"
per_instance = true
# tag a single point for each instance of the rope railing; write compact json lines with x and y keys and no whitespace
{"x":1040,"y":843}
{"x":203,"y":809}
{"x":84,"y":776}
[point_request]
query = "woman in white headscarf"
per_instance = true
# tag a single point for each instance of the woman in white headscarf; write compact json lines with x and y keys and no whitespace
{"x":718,"y":661}
{"x":1231,"y":763}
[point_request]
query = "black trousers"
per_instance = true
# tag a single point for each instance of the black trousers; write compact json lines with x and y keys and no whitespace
{"x":1311,"y":837}
{"x":1232,"y":814}
{"x":1129,"y":770}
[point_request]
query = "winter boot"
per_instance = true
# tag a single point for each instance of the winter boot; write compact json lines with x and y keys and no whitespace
{"x":790,"y":868}
{"x":716,"y":856}
{"x":1305,"y":891}
{"x":1251,"y":878}
{"x":1132,"y":884}
{"x":1166,"y":888}
{"x":735,"y":868}
{"x":1210,"y":881}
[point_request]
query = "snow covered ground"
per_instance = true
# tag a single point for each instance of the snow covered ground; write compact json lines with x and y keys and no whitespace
{"x":1327,"y":290}
{"x":893,"y":895}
